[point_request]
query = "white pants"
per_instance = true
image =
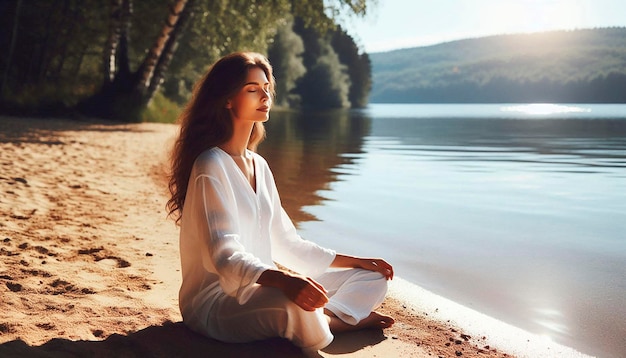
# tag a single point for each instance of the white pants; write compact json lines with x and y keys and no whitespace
{"x":353,"y":294}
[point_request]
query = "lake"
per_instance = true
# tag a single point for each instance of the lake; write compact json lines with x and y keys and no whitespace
{"x":516,"y":211}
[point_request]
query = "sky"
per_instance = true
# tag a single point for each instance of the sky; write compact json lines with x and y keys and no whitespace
{"x":395,"y":24}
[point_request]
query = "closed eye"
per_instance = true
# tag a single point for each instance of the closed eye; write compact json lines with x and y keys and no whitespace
{"x":254,"y":87}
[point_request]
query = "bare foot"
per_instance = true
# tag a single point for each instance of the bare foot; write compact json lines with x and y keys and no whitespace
{"x":374,"y":320}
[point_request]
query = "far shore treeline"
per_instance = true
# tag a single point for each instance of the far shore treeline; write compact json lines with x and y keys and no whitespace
{"x":138,"y":60}
{"x":577,"y":66}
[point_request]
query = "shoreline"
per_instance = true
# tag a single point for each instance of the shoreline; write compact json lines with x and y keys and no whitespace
{"x":90,"y":263}
{"x":492,"y":332}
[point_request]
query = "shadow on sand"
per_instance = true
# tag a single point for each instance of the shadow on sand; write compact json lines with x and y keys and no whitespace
{"x":176,"y":340}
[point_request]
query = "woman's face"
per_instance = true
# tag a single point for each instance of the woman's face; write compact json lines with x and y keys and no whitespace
{"x":253,"y":101}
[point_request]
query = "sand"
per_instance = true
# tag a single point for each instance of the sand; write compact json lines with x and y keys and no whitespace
{"x":89,"y":262}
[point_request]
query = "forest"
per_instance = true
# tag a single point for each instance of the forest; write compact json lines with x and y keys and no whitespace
{"x":577,"y":66}
{"x":134,"y":60}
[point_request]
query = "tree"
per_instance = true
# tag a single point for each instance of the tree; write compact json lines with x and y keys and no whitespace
{"x":338,"y":76}
{"x":326,"y":84}
{"x":52,"y":57}
{"x":285,"y":54}
{"x":11,"y":45}
{"x":358,"y":64}
{"x":124,"y":92}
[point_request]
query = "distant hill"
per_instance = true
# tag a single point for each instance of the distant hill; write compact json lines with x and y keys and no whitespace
{"x":585,"y":66}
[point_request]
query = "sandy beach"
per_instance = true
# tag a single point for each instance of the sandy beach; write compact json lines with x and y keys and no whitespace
{"x":89,"y":262}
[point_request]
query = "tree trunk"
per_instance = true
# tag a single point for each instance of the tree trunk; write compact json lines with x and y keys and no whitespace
{"x":110,"y":48}
{"x":114,"y":100}
{"x":154,"y":55}
{"x":5,"y":77}
{"x":45,"y":57}
{"x":126,"y":95}
{"x":168,"y":51}
{"x":123,"y":62}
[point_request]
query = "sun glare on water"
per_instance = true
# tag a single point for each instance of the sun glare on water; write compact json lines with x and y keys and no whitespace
{"x":544,"y":109}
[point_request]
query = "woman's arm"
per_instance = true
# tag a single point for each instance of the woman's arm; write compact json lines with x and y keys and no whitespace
{"x":288,"y":248}
{"x":378,"y":265}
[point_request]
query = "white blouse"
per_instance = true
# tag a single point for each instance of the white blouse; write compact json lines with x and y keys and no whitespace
{"x":230,"y":234}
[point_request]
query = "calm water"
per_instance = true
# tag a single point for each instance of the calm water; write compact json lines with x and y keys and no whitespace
{"x":516,"y":211}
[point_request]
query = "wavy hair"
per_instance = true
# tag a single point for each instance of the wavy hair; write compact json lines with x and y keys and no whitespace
{"x":206,"y":122}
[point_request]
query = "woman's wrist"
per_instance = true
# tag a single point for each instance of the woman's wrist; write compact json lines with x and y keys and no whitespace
{"x":346,"y":261}
{"x":271,"y":278}
{"x":372,"y":264}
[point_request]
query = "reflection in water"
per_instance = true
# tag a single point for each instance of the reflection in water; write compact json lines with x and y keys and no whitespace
{"x":550,"y":318}
{"x":303,"y":148}
{"x":557,"y":144}
{"x":522,"y":218}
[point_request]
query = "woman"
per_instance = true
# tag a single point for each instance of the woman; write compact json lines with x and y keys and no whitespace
{"x":234,"y":230}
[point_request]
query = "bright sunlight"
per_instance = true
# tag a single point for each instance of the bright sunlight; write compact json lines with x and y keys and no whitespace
{"x":533,"y":15}
{"x":543,"y":109}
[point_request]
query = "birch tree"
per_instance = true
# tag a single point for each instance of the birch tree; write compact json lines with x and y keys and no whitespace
{"x":124,"y":92}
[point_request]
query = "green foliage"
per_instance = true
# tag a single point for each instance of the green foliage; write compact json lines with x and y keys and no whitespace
{"x":253,"y":26}
{"x":337,"y":75}
{"x":285,"y":54}
{"x":326,"y":83}
{"x":358,"y":65}
{"x":62,"y":44}
{"x":57,"y":44}
{"x":218,"y":28}
{"x":567,"y":66}
{"x":44,"y":100}
{"x":323,"y":15}
{"x":160,"y":110}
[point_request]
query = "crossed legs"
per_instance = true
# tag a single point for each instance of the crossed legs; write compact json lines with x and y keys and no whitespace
{"x":353,"y":296}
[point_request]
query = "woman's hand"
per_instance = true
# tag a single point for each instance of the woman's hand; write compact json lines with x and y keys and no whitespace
{"x":377,"y":265}
{"x":303,"y":291}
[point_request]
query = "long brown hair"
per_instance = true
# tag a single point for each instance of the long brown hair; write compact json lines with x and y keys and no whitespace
{"x":206,"y":123}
